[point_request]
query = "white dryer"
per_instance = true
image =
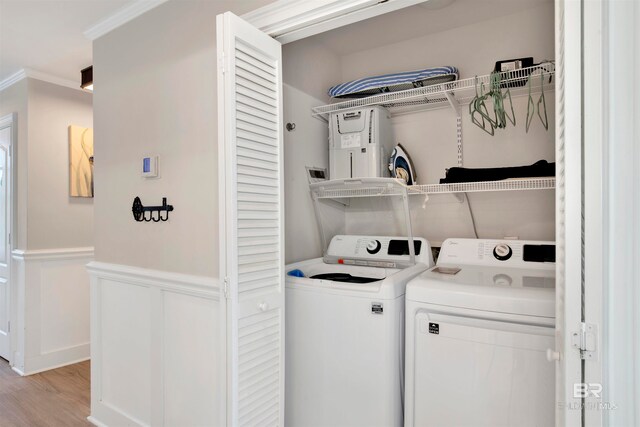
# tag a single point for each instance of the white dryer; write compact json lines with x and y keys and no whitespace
{"x":478,"y":326}
{"x":345,"y":332}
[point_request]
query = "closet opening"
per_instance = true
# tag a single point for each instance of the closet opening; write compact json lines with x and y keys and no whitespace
{"x":460,"y":99}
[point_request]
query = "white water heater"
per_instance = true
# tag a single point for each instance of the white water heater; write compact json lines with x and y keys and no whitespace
{"x":360,"y":142}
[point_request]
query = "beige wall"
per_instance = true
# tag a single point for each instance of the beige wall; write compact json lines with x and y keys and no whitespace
{"x":155,"y":92}
{"x":14,"y":100}
{"x":47,"y":217}
{"x":55,"y":220}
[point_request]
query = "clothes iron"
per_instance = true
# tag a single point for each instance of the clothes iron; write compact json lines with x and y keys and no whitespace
{"x":401,"y":167}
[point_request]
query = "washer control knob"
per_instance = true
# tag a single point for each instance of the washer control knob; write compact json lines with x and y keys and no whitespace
{"x":502,"y":252}
{"x":374,"y":246}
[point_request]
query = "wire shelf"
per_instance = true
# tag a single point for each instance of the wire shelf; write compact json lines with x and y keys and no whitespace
{"x":383,"y":187}
{"x":365,"y":187}
{"x":476,"y":187}
{"x":435,"y":96}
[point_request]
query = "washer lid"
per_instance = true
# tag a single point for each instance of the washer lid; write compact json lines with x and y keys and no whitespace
{"x":504,"y":290}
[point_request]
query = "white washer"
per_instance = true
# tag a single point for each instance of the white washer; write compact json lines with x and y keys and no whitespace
{"x":476,"y":340}
{"x":345,"y":338}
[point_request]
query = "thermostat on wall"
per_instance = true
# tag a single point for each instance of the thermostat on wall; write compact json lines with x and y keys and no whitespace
{"x":150,"y":167}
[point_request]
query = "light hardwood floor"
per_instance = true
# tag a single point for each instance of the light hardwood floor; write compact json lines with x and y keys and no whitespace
{"x":56,"y":398}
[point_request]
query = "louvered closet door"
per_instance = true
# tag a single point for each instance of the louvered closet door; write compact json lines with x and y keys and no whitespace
{"x":251,"y":202}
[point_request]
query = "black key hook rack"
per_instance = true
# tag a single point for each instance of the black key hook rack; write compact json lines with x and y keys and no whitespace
{"x":140,"y":211}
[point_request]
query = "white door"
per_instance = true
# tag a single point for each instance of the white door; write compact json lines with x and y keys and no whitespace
{"x":251,"y":222}
{"x":5,"y":248}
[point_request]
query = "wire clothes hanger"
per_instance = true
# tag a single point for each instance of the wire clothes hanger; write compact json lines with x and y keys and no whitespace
{"x":540,"y":106}
{"x":478,"y":106}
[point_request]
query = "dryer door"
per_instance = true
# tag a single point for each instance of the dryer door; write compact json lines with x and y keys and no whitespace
{"x":469,"y":371}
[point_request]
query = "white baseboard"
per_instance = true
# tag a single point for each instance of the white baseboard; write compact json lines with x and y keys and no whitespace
{"x":57,"y":359}
{"x":95,"y":422}
{"x":17,"y":371}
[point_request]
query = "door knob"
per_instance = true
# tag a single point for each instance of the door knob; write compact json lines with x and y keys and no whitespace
{"x":552,"y":356}
{"x":263,"y":306}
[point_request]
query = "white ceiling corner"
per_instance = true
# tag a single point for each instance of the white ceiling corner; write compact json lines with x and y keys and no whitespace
{"x":121,"y":17}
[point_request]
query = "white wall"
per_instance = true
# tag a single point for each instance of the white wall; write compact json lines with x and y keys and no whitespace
{"x":310,"y":66}
{"x":52,"y":314}
{"x":155,"y":348}
{"x":430,"y":137}
{"x":307,"y":145}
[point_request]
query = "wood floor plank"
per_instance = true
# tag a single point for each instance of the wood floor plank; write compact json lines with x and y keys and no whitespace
{"x":56,"y":398}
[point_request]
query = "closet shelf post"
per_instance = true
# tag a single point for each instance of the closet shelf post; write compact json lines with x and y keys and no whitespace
{"x":455,"y":105}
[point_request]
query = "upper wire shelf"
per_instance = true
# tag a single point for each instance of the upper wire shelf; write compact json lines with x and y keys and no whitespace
{"x":380,"y":187}
{"x":444,"y":94}
{"x":359,"y":187}
{"x":476,"y":187}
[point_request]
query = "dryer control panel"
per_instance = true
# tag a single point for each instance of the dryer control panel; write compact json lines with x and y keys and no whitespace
{"x":502,"y":253}
{"x":377,"y":251}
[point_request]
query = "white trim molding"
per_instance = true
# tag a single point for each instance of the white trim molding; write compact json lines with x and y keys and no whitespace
{"x":291,"y":20}
{"x":13,"y":79}
{"x":52,"y":308}
{"x":121,"y":17}
{"x":154,"y":340}
{"x":52,"y":254}
{"x":200,"y":286}
{"x":39,"y":75}
{"x":8,"y":120}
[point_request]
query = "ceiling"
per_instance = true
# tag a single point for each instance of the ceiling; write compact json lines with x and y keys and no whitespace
{"x":432,"y":16}
{"x":46,"y":36}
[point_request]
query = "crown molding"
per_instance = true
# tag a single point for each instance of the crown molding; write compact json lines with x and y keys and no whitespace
{"x":121,"y":17}
{"x":13,"y":79}
{"x":291,"y":20}
{"x":39,"y":75}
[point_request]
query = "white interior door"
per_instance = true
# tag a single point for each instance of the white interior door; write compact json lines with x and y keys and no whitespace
{"x":5,"y":229}
{"x":251,"y":208}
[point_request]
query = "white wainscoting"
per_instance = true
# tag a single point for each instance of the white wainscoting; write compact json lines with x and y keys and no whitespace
{"x":52,"y":308}
{"x":155,"y":354}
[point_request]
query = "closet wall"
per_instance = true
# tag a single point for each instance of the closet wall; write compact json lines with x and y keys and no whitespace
{"x":309,"y":68}
{"x":430,"y":137}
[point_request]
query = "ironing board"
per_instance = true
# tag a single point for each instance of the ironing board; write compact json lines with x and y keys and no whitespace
{"x":393,"y":82}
